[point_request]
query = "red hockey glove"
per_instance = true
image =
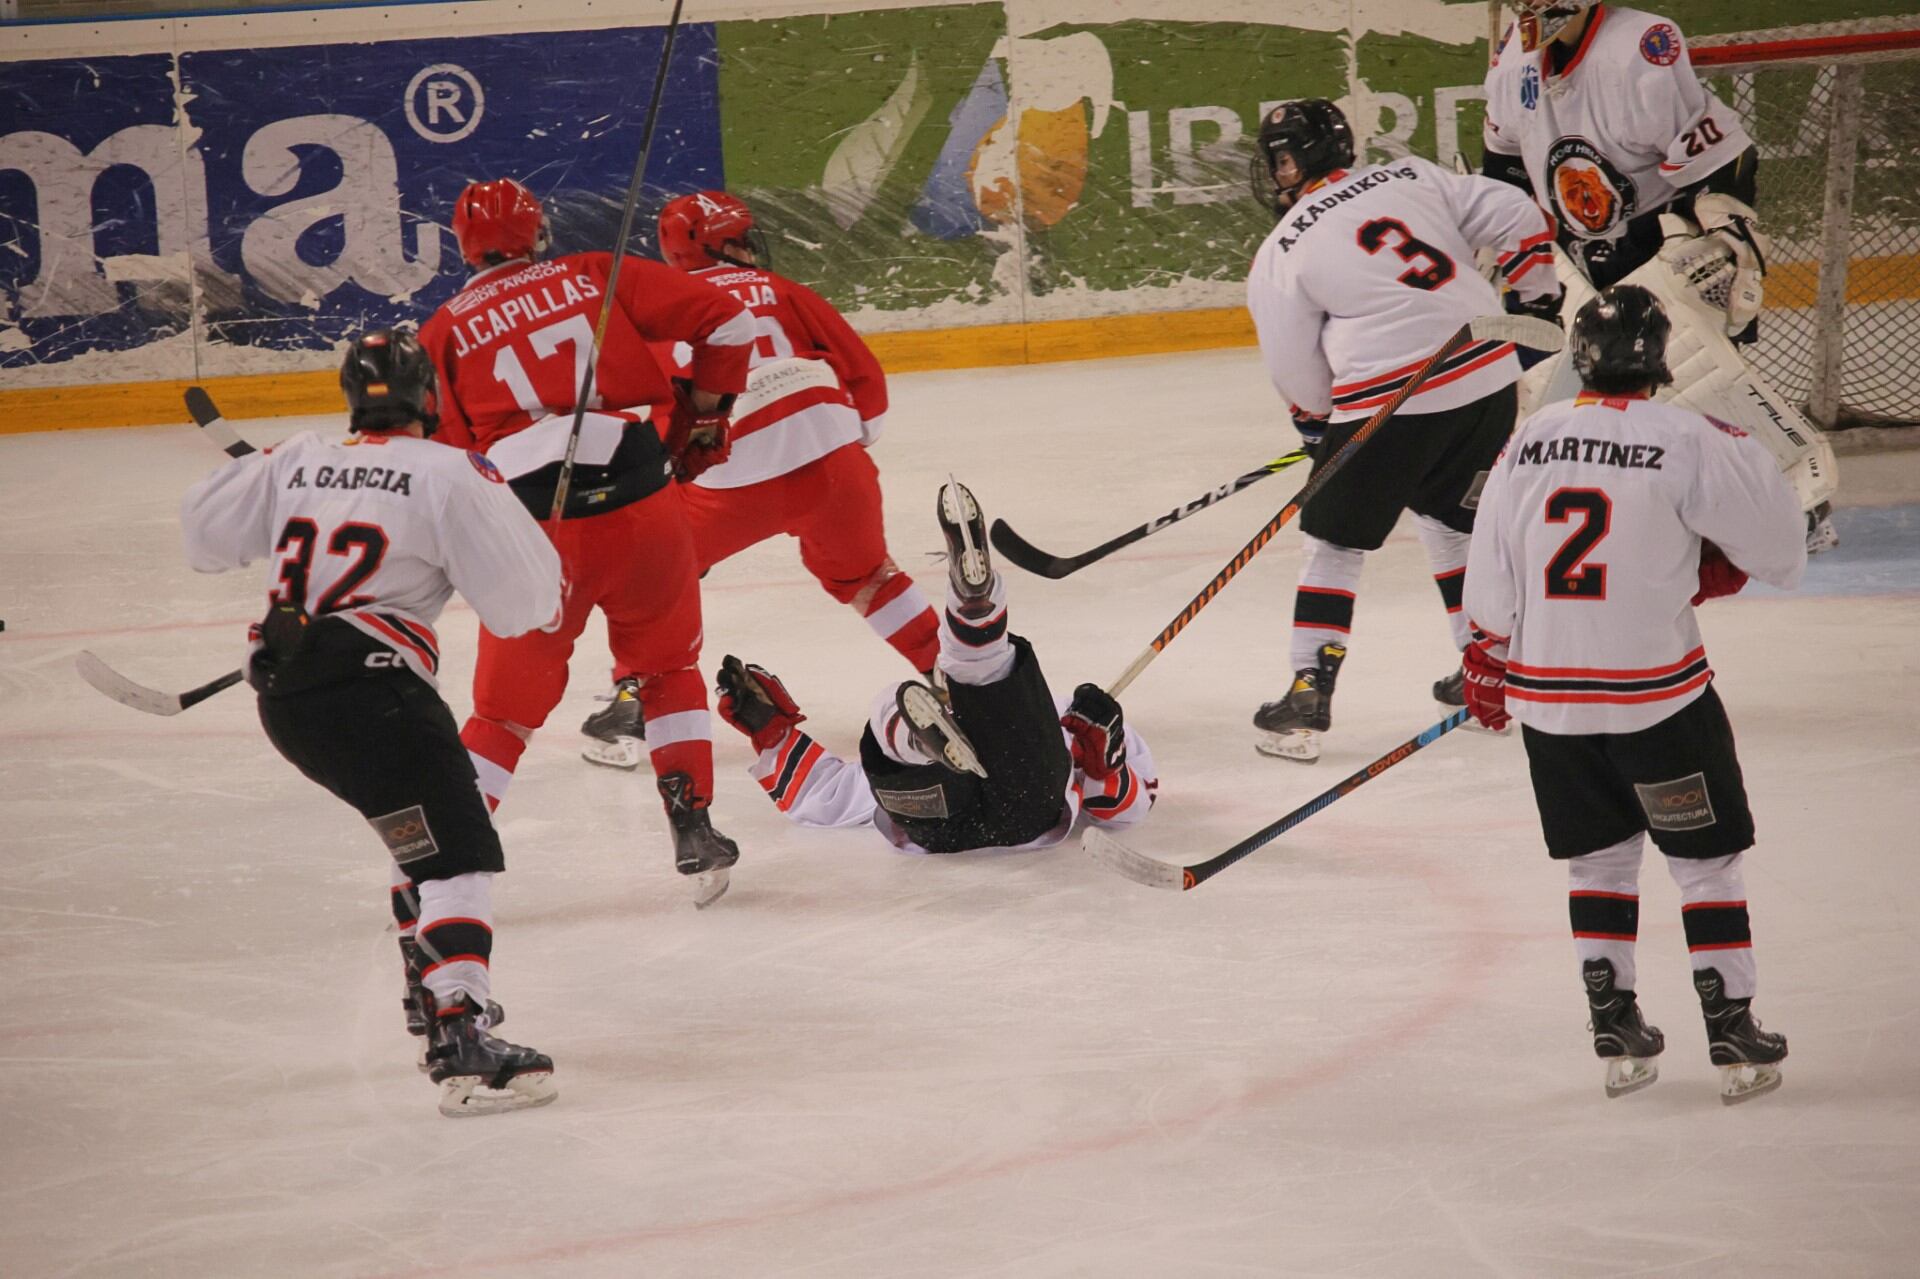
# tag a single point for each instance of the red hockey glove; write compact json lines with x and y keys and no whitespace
{"x":753,"y":700}
{"x":1485,"y":679}
{"x":1718,"y":576}
{"x":1099,"y":733}
{"x":696,"y":438}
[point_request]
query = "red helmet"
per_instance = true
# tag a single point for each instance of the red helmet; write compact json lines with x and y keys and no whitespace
{"x":498,"y":221}
{"x":698,"y":230}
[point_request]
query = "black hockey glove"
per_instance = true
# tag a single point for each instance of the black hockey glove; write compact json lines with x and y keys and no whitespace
{"x":1099,"y":732}
{"x":1311,"y":426}
{"x":283,"y":635}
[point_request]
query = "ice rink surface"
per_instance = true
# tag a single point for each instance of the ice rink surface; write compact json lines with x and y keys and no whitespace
{"x":1360,"y":1052}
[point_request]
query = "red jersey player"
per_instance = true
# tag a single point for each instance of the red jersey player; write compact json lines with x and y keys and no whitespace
{"x":511,"y":349}
{"x":797,"y":461}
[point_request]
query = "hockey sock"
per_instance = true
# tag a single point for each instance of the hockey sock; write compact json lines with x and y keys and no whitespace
{"x":456,"y":936}
{"x":1323,"y":606}
{"x":975,"y":650}
{"x":1447,"y":552}
{"x":1603,"y":905}
{"x":890,"y":730}
{"x":899,"y":613}
{"x":495,"y":750}
{"x":1713,"y":907}
{"x":679,"y":728}
{"x":405,"y":899}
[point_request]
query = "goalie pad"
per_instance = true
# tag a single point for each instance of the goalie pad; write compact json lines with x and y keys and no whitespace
{"x":1709,"y":376}
{"x":1721,"y":257}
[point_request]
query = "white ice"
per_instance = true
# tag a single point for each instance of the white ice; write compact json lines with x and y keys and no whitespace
{"x":1360,"y":1052}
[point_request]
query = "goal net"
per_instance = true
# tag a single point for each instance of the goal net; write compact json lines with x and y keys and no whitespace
{"x":1835,"y":110}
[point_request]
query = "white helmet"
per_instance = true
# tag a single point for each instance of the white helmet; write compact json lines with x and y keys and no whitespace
{"x":1541,"y":20}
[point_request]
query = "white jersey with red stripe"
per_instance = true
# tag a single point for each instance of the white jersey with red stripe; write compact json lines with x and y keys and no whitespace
{"x":1620,"y":131}
{"x":814,"y":787}
{"x":1586,"y":555}
{"x":379,"y":531}
{"x":1371,"y":270}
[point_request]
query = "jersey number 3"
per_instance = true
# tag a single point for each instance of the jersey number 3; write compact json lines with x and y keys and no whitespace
{"x":1384,"y":233}
{"x":1569,"y":576}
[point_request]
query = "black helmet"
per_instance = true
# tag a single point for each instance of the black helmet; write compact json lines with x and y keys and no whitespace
{"x":389,"y":382}
{"x":1620,"y":341}
{"x":1314,"y":132}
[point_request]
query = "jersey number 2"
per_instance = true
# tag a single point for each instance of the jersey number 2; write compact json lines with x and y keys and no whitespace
{"x":1569,"y":577}
{"x":1374,"y":236}
{"x":367,"y":543}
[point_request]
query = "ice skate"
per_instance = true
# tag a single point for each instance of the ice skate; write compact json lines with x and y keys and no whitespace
{"x":1749,"y":1057}
{"x":414,"y":1002}
{"x":700,"y":852}
{"x":1821,"y":534}
{"x":1451,"y":693}
{"x":478,"y":1074}
{"x":933,"y":729}
{"x":619,"y":729}
{"x":969,"y":561}
{"x":1291,"y":727}
{"x":1621,"y":1036}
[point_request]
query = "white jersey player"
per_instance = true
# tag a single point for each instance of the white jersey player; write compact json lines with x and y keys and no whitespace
{"x":1368,"y":272}
{"x":1602,"y":525}
{"x":368,"y":536}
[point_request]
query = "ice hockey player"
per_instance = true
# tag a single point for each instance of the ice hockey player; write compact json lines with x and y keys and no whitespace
{"x":1604,"y":521}
{"x":368,"y":536}
{"x":994,"y":761}
{"x":1369,"y":271}
{"x":1595,"y":110}
{"x":797,"y":461}
{"x":511,"y":348}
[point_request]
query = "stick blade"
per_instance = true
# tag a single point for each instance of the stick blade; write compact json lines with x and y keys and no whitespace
{"x":123,"y":690}
{"x":1529,"y":331}
{"x":200,"y":404}
{"x":1121,"y":860}
{"x":207,"y":415}
{"x":1021,"y":553}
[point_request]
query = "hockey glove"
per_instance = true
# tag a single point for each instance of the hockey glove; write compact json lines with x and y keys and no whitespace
{"x":1485,"y":686}
{"x":1099,"y":733}
{"x":1718,"y":575}
{"x":753,"y":700}
{"x":697,"y":438}
{"x":1311,"y":426}
{"x":1543,"y":308}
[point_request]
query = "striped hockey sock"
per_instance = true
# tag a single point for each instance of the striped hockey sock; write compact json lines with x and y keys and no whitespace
{"x":1447,"y":553}
{"x":1713,"y":909}
{"x":679,"y":727}
{"x":456,"y":936}
{"x":1323,"y":605}
{"x":899,"y":613}
{"x":1603,"y":906}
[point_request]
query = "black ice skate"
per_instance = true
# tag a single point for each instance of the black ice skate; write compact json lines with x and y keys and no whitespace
{"x":969,"y":561}
{"x":1451,"y":693}
{"x":1749,"y":1057}
{"x":934,"y":731}
{"x":700,"y":852}
{"x":1291,"y":727}
{"x":1621,"y":1036}
{"x":478,"y":1074}
{"x":618,"y":729}
{"x":414,"y":1002}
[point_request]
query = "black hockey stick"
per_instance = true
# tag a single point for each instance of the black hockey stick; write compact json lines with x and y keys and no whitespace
{"x":1021,"y":553}
{"x":565,"y":482}
{"x":1116,"y":856}
{"x":201,"y":405}
{"x":1522,"y":330}
{"x":139,"y":696}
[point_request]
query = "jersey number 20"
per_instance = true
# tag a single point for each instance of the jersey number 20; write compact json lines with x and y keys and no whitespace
{"x":1385,"y":233}
{"x":1569,"y":577}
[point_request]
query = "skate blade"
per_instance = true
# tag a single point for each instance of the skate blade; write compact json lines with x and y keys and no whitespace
{"x":1630,"y":1074}
{"x":1744,"y":1082}
{"x":465,"y":1096}
{"x":961,"y":511}
{"x":709,"y":886}
{"x":1822,"y":537}
{"x":622,"y":752}
{"x":924,"y":711}
{"x":1300,"y":745}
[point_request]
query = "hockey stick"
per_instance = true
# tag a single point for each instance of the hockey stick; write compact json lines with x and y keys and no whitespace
{"x":565,"y":482}
{"x":200,"y":404}
{"x":1522,"y":330}
{"x":1116,"y":856}
{"x":139,"y":696}
{"x":1021,"y":553}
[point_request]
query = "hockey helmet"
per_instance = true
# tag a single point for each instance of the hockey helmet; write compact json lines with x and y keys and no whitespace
{"x":389,"y":382}
{"x":1311,"y":130}
{"x":708,"y":227}
{"x":1541,"y":20}
{"x":1620,"y":341}
{"x":499,"y":221}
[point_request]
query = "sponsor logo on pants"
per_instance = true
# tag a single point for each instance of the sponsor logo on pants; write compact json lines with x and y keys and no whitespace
{"x":1681,"y":804}
{"x":405,"y":834}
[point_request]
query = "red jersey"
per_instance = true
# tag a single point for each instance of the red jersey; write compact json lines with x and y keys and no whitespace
{"x":814,"y":386}
{"x":511,"y":347}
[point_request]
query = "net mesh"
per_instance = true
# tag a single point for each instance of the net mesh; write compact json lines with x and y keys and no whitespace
{"x":1797,"y":111}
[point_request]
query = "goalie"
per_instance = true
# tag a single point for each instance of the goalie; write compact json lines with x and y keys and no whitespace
{"x":1596,"y":111}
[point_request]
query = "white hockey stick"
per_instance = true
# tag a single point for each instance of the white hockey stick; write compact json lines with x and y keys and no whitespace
{"x":139,"y":696}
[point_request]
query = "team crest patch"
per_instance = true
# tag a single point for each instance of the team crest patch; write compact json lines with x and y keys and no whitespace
{"x":1588,"y":192}
{"x":484,"y":464}
{"x":1530,"y":86}
{"x":1661,"y":44}
{"x":1726,"y":427}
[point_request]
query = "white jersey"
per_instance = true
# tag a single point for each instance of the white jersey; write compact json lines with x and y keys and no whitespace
{"x":378,"y":530}
{"x":1586,"y":555}
{"x":1623,"y":128}
{"x":1371,"y":270}
{"x":815,"y":788}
